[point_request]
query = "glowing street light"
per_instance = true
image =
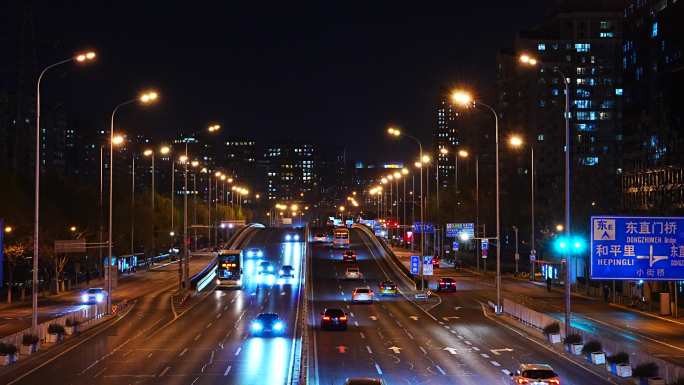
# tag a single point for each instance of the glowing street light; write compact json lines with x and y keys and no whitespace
{"x":463,"y":153}
{"x":72,"y":229}
{"x":515,"y":141}
{"x":443,"y":151}
{"x":165,"y":150}
{"x":425,"y":159}
{"x":214,"y":128}
{"x":8,"y":229}
{"x":560,"y":227}
{"x":462,"y":98}
{"x":117,"y":140}
{"x":394,"y":131}
{"x":149,"y":97}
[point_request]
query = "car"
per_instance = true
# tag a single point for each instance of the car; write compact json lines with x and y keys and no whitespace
{"x":268,"y":278}
{"x":353,"y":273}
{"x":286,"y":271}
{"x":363,"y":381}
{"x":333,"y":318}
{"x":265,"y":267}
{"x":388,"y":288}
{"x":349,"y":256}
{"x":435,"y":263}
{"x":446,"y":284}
{"x":362,"y":294}
{"x":93,"y":295}
{"x":535,"y":374}
{"x":267,"y":324}
{"x":291,"y":237}
{"x":254,"y":252}
{"x":320,"y":237}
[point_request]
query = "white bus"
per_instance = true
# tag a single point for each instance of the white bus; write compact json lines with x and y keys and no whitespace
{"x":341,"y":238}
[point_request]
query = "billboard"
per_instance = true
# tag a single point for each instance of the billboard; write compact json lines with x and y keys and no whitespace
{"x":633,"y":248}
{"x":460,"y":230}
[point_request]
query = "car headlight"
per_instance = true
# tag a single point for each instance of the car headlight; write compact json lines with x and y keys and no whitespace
{"x":218,"y":281}
{"x":288,"y":237}
{"x":281,"y":272}
{"x":296,"y":237}
{"x":99,"y":297}
{"x":239,"y":282}
{"x":260,"y":253}
{"x":84,"y":297}
{"x":278,"y":326}
{"x":257,"y":326}
{"x":250,"y":253}
{"x":270,"y":268}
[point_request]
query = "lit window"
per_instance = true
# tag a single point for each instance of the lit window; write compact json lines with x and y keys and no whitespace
{"x":541,"y":47}
{"x":540,"y":137}
{"x":583,"y":103}
{"x":605,"y":24}
{"x":618,"y":91}
{"x":606,"y":34}
{"x":582,"y":47}
{"x":654,"y":29}
{"x":590,"y":160}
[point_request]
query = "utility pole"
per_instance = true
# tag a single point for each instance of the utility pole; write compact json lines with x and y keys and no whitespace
{"x":517,"y":255}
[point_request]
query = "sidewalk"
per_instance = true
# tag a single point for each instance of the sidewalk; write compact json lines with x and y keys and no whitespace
{"x":657,"y":335}
{"x":17,"y":316}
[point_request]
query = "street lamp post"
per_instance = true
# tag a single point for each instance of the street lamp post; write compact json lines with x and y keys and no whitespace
{"x":145,"y":98}
{"x":516,"y":141}
{"x":396,"y":132}
{"x":530,"y":61}
{"x":465,"y":99}
{"x":80,"y":58}
{"x":132,"y":200}
{"x":150,"y":153}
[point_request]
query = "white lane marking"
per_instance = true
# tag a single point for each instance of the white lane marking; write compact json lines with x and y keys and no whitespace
{"x":391,"y":314}
{"x":373,"y":318}
{"x":447,"y":327}
{"x":227,"y":370}
{"x":460,"y":337}
{"x":198,"y":336}
{"x":100,"y":372}
{"x":453,"y":331}
{"x":399,"y":324}
{"x":506,"y":372}
{"x":369,"y":349}
{"x":363,"y":336}
{"x":351,"y":313}
{"x":422,"y":349}
{"x":440,"y":370}
{"x":356,"y":323}
{"x":347,"y":306}
{"x":341,"y":292}
{"x":183,"y":352}
{"x":468,"y":342}
{"x":377,"y":367}
{"x":219,"y":315}
{"x":193,"y":382}
{"x":409,"y":334}
{"x":149,"y":355}
{"x":166,"y":369}
{"x":484,"y":355}
{"x":239,"y":349}
{"x":495,"y":363}
{"x":475,"y":348}
{"x":211,"y":358}
{"x":208,"y":325}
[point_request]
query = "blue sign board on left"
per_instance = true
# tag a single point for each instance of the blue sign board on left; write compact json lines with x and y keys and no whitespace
{"x":427,"y":228}
{"x":632,"y":248}
{"x":415,"y":264}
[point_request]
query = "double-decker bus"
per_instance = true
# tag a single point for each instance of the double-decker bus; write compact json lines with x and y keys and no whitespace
{"x":229,"y":269}
{"x":340,"y":237}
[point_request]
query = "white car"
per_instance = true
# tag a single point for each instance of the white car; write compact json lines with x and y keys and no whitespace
{"x":353,"y":273}
{"x":320,"y":237}
{"x":362,"y":294}
{"x":535,"y":374}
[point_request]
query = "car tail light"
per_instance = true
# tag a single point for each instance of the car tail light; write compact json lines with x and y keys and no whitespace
{"x":343,"y":318}
{"x":522,"y":381}
{"x":326,"y":318}
{"x":555,"y":381}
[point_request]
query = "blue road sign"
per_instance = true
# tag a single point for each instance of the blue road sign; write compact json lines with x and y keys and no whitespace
{"x":428,"y":228}
{"x":633,"y":248}
{"x":415,"y":264}
{"x":459,"y":230}
{"x":427,"y":265}
{"x":455,"y":246}
{"x":485,"y":244}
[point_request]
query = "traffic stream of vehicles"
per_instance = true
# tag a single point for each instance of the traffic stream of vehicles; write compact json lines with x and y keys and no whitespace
{"x":393,"y":340}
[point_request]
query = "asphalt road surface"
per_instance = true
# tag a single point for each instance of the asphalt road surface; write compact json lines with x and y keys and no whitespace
{"x":208,"y":344}
{"x":394,"y":339}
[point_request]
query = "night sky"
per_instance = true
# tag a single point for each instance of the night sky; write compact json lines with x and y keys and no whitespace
{"x":332,"y":71}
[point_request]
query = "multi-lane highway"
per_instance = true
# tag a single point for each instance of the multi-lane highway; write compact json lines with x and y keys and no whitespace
{"x":208,"y":344}
{"x":402,"y":342}
{"x":394,"y":339}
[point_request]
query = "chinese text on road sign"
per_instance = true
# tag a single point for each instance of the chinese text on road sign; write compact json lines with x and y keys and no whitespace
{"x":650,"y":248}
